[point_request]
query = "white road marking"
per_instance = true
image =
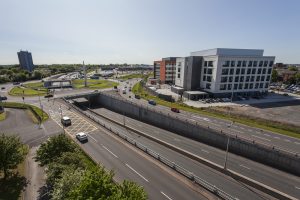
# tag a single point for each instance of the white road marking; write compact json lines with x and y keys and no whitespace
{"x":298,"y":188}
{"x":136,"y":172}
{"x":261,"y":138}
{"x":204,"y":151}
{"x":297,"y":142}
{"x":287,"y":140}
{"x":176,"y":139}
{"x":277,"y":138}
{"x":165,"y":195}
{"x":267,"y":135}
{"x":93,"y":138}
{"x":109,"y":151}
{"x":242,"y":128}
{"x":245,"y":167}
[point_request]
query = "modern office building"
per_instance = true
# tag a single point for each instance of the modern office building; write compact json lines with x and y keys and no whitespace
{"x":25,"y":60}
{"x":225,"y":72}
{"x":164,"y":70}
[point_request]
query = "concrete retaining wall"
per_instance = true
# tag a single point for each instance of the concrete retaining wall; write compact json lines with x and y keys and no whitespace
{"x":265,"y":154}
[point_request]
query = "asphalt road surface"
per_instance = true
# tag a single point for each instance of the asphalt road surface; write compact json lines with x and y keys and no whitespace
{"x":277,"y":179}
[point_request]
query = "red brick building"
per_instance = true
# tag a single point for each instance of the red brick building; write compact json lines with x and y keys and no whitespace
{"x":164,"y":70}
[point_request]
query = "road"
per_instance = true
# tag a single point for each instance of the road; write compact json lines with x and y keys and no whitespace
{"x":127,"y":162}
{"x":277,"y":179}
{"x":287,"y":143}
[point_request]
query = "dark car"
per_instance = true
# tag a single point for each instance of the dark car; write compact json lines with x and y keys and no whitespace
{"x":2,"y":88}
{"x":48,"y":95}
{"x":16,"y":83}
{"x":137,"y":96}
{"x":175,"y":110}
{"x":152,"y":102}
{"x":3,"y":98}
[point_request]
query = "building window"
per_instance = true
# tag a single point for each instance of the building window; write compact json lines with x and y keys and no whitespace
{"x":204,"y":78}
{"x":224,"y":79}
{"x":230,"y":79}
{"x":252,"y":78}
{"x":257,"y":78}
{"x":205,"y":63}
{"x":239,"y":63}
{"x":246,"y":86}
{"x":268,"y":78}
{"x":255,"y":63}
{"x":208,"y":78}
{"x":225,"y":71}
{"x":266,"y":85}
{"x":250,"y":63}
{"x":256,"y":85}
{"x":237,"y":71}
{"x":269,"y":70}
{"x":251,"y":86}
{"x":236,"y":79}
{"x":229,"y":86}
{"x":243,"y":71}
{"x":209,"y":71}
{"x":271,"y":63}
{"x":235,"y":86}
{"x":231,"y":71}
{"x":247,"y":78}
{"x":226,"y":63}
{"x":248,"y":71}
{"x":232,"y":63}
{"x":210,"y":63}
{"x":223,"y":87}
{"x":240,"y":86}
{"x":207,"y":86}
{"x":178,"y":75}
{"x":241,"y":78}
{"x":262,"y":78}
{"x":261,"y":85}
{"x":259,"y":71}
{"x":205,"y":70}
{"x":178,"y":70}
{"x":265,"y":63}
{"x":261,"y":63}
{"x":179,"y":64}
{"x":264,"y":71}
{"x":244,"y":63}
{"x":253,"y":71}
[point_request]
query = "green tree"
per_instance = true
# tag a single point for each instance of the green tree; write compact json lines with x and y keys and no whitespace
{"x":54,"y":148}
{"x":130,"y":190}
{"x":37,"y":75}
{"x":297,"y":78}
{"x":274,"y":77}
{"x":12,"y":153}
{"x":292,"y":68}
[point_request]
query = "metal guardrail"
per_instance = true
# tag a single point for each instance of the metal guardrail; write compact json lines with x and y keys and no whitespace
{"x":208,"y":186}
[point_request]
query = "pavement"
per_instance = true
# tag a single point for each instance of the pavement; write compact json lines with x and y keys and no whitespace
{"x":277,"y":179}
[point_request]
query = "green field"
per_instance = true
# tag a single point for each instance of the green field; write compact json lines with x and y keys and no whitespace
{"x":20,"y":91}
{"x":35,"y":110}
{"x":34,"y":85}
{"x":94,"y":84}
{"x":130,"y":76}
{"x":259,"y":123}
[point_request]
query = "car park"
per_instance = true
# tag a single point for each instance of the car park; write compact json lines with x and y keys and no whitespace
{"x":81,"y":136}
{"x":66,"y":121}
{"x":152,"y":102}
{"x":176,"y":110}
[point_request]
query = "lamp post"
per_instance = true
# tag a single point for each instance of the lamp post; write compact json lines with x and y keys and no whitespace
{"x":227,"y":147}
{"x":61,"y":116}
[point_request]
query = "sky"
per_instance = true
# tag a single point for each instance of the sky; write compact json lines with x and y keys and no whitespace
{"x":141,"y":31}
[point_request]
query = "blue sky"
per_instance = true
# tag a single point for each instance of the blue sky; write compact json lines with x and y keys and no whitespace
{"x":140,"y":31}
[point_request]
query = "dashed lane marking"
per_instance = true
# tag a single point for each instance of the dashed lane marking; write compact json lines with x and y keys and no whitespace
{"x":262,"y":138}
{"x":165,"y":195}
{"x":136,"y":172}
{"x":245,"y":167}
{"x":204,"y":151}
{"x":109,"y":151}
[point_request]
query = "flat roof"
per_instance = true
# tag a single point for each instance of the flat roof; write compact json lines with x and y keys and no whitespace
{"x":229,"y":52}
{"x":195,"y":92}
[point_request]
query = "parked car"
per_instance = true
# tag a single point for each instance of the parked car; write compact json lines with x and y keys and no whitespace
{"x":48,"y":95}
{"x":2,"y":88}
{"x":137,"y":96}
{"x":81,"y":136}
{"x":3,"y":98}
{"x":66,"y":121}
{"x":175,"y":110}
{"x":152,"y":102}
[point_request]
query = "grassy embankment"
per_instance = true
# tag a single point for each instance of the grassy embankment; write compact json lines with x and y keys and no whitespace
{"x":37,"y":112}
{"x":2,"y":116}
{"x":94,"y":84}
{"x":130,"y":76}
{"x":29,"y":89}
{"x":269,"y":125}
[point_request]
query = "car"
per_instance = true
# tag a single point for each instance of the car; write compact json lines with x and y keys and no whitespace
{"x":96,"y":90}
{"x":137,"y":96}
{"x":175,"y":110}
{"x":285,"y":94}
{"x":16,"y":83}
{"x":129,"y":89}
{"x":66,"y":121}
{"x":129,"y":97}
{"x":81,"y":137}
{"x":115,"y":87}
{"x":3,"y":98}
{"x":48,"y":95}
{"x":124,"y":91}
{"x":2,"y":88}
{"x":152,"y":102}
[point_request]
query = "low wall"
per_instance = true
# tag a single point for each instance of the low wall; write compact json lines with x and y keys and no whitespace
{"x":248,"y":148}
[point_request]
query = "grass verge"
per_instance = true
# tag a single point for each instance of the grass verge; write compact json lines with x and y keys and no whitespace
{"x":2,"y":116}
{"x":35,"y":110}
{"x":94,"y":84}
{"x":130,"y":76}
{"x":20,"y":91}
{"x":276,"y":127}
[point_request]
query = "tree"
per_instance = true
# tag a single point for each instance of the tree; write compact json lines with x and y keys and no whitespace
{"x":54,"y":148}
{"x":297,"y":77}
{"x":293,"y":68}
{"x":37,"y":75}
{"x":274,"y":76}
{"x":12,"y":153}
{"x":130,"y":190}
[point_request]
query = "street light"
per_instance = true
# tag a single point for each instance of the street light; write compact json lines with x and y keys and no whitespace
{"x":227,"y":147}
{"x":61,"y":116}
